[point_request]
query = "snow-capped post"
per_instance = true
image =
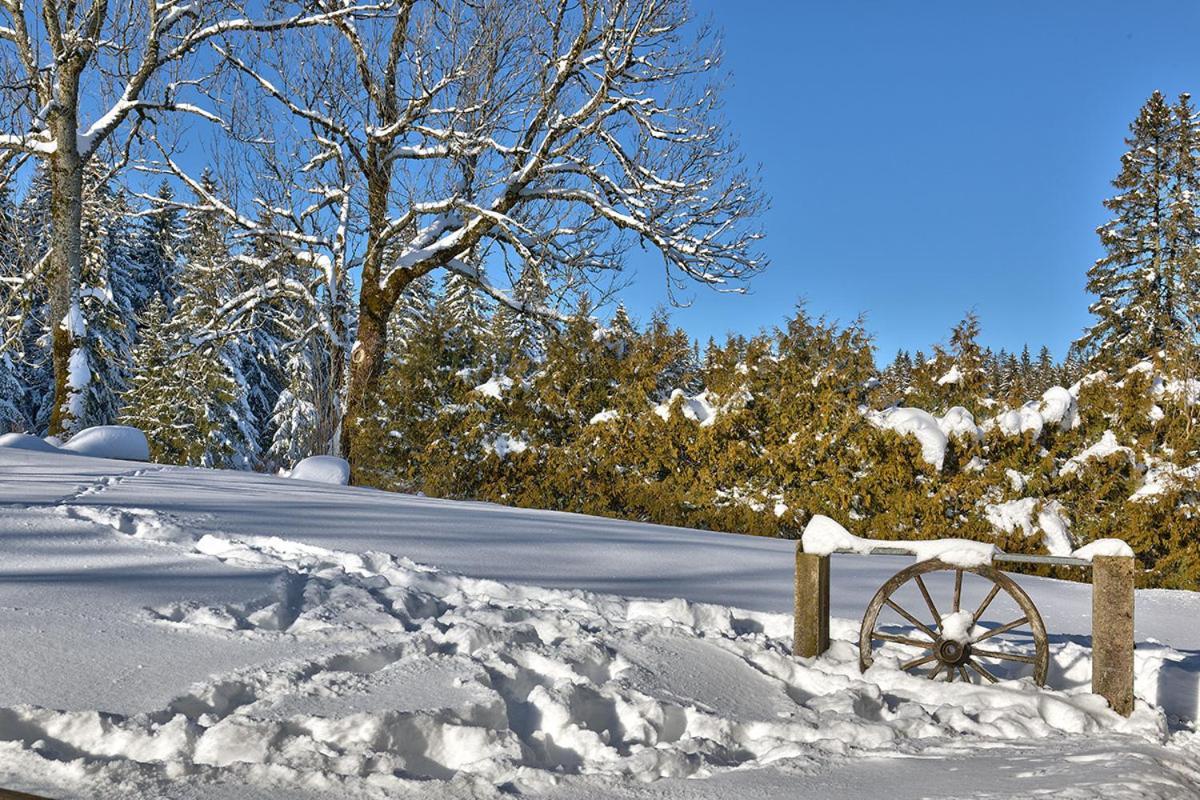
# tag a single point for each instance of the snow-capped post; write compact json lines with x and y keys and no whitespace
{"x":810,"y":635}
{"x":1112,"y":631}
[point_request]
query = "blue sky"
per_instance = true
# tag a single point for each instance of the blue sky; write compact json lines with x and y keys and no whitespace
{"x":924,"y":159}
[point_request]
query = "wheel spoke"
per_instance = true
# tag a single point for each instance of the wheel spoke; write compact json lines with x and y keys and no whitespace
{"x":987,"y":601}
{"x":1005,"y":628}
{"x":982,"y":670}
{"x":929,"y":602}
{"x":957,"y":588}
{"x":891,"y":637}
{"x":936,"y":670}
{"x":924,"y":628}
{"x":963,"y":671}
{"x":1003,"y":656}
{"x":916,"y":662}
{"x":949,"y":674}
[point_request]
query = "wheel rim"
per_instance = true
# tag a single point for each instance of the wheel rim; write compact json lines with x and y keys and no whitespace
{"x":957,"y":646}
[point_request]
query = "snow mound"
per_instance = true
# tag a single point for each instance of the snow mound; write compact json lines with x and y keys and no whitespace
{"x":1104,"y":547}
{"x":1106,"y":447}
{"x":25,"y":441}
{"x":1019,"y":421}
{"x":1056,"y":529}
{"x":954,"y":375}
{"x":824,"y":536}
{"x":1059,"y":407}
{"x":110,"y":441}
{"x":958,"y":421}
{"x":916,"y":423}
{"x":322,"y":469}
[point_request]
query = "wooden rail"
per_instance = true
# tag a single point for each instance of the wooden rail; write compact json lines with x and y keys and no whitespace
{"x":7,"y":794}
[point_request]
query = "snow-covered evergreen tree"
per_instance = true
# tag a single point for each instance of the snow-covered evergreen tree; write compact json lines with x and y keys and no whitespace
{"x":101,"y":315}
{"x":157,"y":252}
{"x":211,"y":423}
{"x":413,"y":313}
{"x":1145,"y":282}
{"x":525,"y":332}
{"x":295,"y":423}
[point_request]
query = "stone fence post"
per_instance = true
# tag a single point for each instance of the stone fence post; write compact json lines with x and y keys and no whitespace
{"x":1112,"y":631}
{"x":810,"y":635}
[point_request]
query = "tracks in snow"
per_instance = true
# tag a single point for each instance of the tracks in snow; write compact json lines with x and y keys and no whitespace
{"x":435,"y":676}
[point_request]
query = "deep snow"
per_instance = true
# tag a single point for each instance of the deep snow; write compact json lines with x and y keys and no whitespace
{"x":192,"y":633}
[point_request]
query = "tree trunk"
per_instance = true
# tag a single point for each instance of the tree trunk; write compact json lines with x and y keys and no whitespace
{"x":66,"y":219}
{"x":366,"y":368}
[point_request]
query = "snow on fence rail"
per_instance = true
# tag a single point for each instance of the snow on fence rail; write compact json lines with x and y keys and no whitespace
{"x":1111,"y":562}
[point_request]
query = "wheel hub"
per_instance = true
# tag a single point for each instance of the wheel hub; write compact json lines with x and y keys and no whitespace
{"x":952,"y":652}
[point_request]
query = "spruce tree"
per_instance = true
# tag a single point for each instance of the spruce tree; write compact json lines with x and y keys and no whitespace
{"x":150,"y":403}
{"x":1145,"y":283}
{"x":211,"y":422}
{"x":157,"y":252}
{"x":102,"y":312}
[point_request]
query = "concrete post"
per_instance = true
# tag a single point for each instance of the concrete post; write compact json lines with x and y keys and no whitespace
{"x":1112,"y":631}
{"x":811,"y":632}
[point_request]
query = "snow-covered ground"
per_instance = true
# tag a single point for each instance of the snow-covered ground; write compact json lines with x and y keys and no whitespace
{"x":188,"y":633}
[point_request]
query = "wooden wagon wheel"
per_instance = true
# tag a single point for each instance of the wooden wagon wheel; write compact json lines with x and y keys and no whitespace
{"x":955,"y":644}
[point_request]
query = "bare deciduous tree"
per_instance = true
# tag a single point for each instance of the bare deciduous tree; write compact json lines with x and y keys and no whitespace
{"x":555,"y":133}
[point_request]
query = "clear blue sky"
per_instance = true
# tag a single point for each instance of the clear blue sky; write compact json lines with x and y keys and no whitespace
{"x":927,"y":158}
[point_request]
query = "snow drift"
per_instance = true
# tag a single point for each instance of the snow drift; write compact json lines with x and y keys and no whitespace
{"x":110,"y":441}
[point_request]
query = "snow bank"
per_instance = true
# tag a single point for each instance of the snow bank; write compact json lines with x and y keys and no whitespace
{"x":110,"y":441}
{"x":25,"y":441}
{"x":322,"y":469}
{"x":823,"y":536}
{"x":352,"y":671}
{"x":916,"y":423}
{"x":462,"y":684}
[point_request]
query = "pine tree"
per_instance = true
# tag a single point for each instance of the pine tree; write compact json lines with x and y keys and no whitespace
{"x":211,"y":423}
{"x":150,"y":403}
{"x":295,"y":423}
{"x":13,"y":396}
{"x":157,"y":252}
{"x":33,"y":356}
{"x":1145,"y":282}
{"x":102,"y":313}
{"x":1046,"y":370}
{"x":525,"y":331}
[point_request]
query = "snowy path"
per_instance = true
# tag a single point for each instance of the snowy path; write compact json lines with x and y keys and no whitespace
{"x":204,"y":634}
